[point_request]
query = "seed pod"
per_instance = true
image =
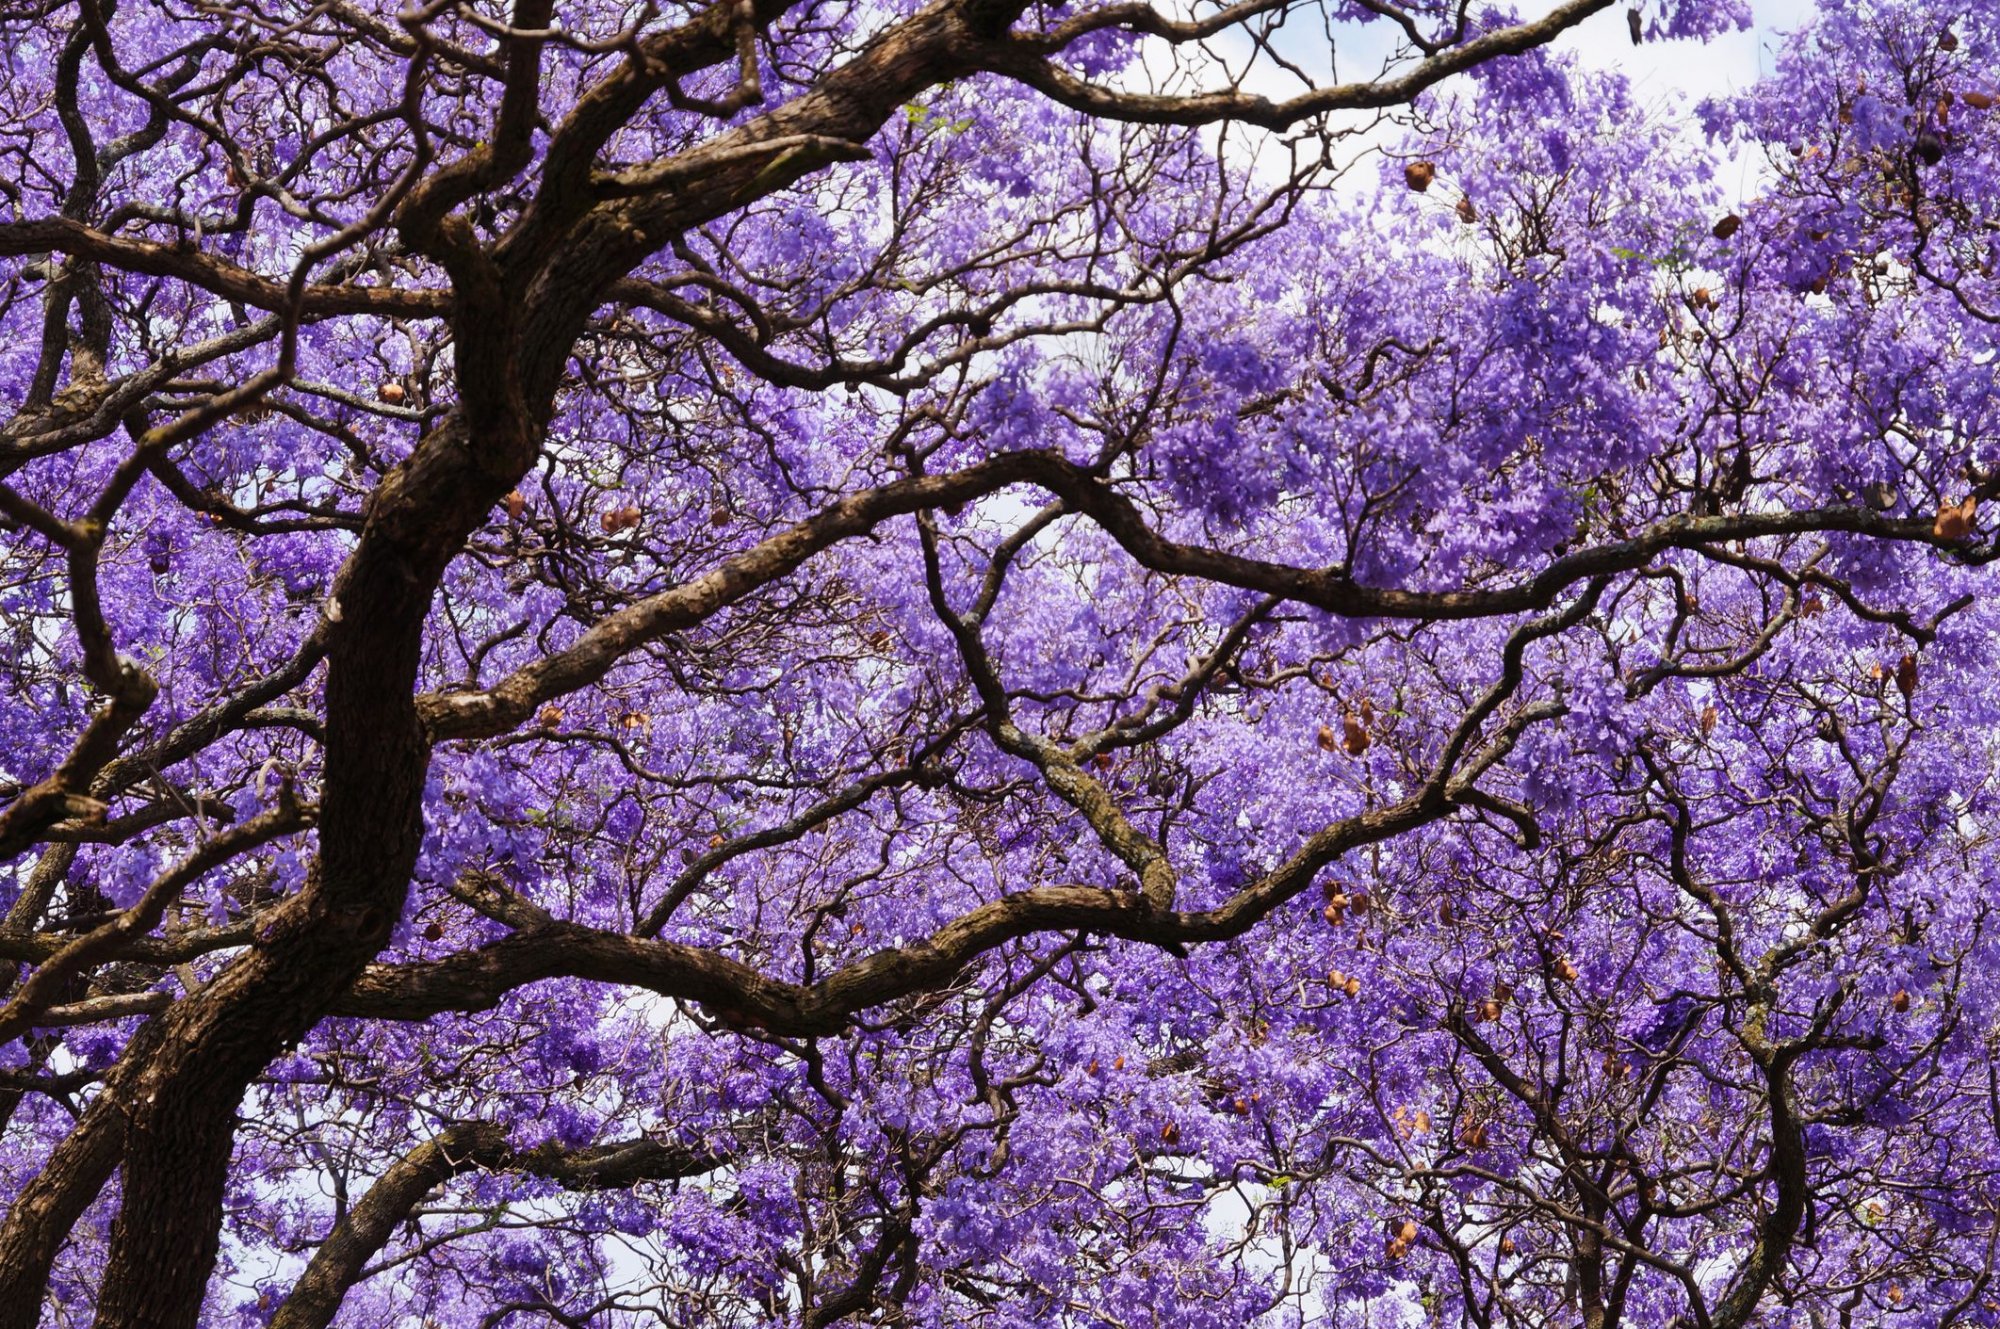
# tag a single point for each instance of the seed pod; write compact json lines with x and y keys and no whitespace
{"x":1954,"y":520}
{"x":1328,"y":740}
{"x":1467,"y":213}
{"x":1635,"y":25}
{"x":1900,"y":1002}
{"x":550,"y":716}
{"x":1354,"y":739}
{"x":1333,"y":915}
{"x":515,"y":503}
{"x":1727,"y":227}
{"x":1170,"y":1132}
{"x":433,"y":931}
{"x":1906,"y":675}
{"x":1978,"y":101}
{"x":1947,"y":40}
{"x":1507,"y":1246}
{"x":721,"y":517}
{"x":1407,"y":1231}
{"x":1352,"y":987}
{"x":1566,"y":971}
{"x":1708,"y":717}
{"x":1929,"y":147}
{"x":392,"y":392}
{"x":1418,"y":175}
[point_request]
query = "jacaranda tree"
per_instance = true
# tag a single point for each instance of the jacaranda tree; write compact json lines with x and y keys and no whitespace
{"x":996,"y":662}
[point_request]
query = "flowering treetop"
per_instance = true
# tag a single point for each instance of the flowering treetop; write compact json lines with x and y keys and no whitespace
{"x":994,"y":663}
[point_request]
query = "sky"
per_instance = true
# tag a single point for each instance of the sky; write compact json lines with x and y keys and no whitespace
{"x":1696,"y":68}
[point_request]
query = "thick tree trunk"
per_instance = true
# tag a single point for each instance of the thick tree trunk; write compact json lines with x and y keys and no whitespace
{"x":182,"y":1104}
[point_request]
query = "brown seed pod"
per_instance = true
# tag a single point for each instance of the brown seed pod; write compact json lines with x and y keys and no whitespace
{"x":1900,"y":1002}
{"x":1727,"y":227}
{"x":1954,"y":520}
{"x":550,"y":716}
{"x":433,"y":931}
{"x":1170,"y":1132}
{"x":392,"y":392}
{"x":1708,"y":718}
{"x":1352,"y":987}
{"x":1978,"y":101}
{"x":1418,"y":175}
{"x":1328,"y":740}
{"x":1354,"y":738}
{"x":1467,"y":213}
{"x":1566,"y":971}
{"x":1906,"y":675}
{"x":515,"y":503}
